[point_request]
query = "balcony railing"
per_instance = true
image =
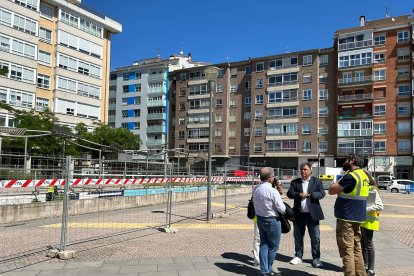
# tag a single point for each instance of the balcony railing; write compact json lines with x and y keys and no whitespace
{"x":354,"y":80}
{"x":362,"y":151}
{"x":355,"y":97}
{"x":355,"y":132}
{"x":355,"y":115}
{"x":155,"y":129}
{"x":157,"y":103}
{"x":284,"y":66}
{"x":283,"y":83}
{"x":355,"y":45}
{"x":157,"y":90}
{"x":155,"y":142}
{"x":156,"y":116}
{"x":156,"y":77}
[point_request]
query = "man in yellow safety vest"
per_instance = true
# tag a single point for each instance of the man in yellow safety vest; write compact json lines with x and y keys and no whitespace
{"x":350,"y":210}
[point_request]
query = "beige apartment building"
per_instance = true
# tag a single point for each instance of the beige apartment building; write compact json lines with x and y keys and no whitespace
{"x":57,"y":53}
{"x":375,"y":93}
{"x":275,"y":111}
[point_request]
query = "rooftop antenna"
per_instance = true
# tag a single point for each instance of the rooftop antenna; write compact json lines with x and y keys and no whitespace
{"x":387,"y":12}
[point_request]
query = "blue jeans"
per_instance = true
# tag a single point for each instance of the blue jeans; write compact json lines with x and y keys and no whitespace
{"x":300,"y":223}
{"x":270,"y":231}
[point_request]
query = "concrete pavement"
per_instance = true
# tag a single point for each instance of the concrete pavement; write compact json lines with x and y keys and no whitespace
{"x":223,"y":247}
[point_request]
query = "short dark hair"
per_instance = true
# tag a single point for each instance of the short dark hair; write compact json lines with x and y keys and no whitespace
{"x":305,"y":164}
{"x":358,"y":160}
{"x":266,"y":173}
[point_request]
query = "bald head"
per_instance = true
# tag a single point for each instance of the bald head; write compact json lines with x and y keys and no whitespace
{"x":266,"y":173}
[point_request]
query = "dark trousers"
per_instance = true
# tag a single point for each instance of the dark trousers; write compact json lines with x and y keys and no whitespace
{"x":368,"y":250}
{"x":301,"y":222}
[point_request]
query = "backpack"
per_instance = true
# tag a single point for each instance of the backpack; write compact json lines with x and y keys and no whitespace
{"x":250,"y":209}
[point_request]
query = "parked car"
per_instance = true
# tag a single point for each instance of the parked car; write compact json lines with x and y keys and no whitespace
{"x":383,"y":181}
{"x":401,"y":185}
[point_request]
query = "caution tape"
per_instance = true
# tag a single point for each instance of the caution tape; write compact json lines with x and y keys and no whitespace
{"x":15,"y":183}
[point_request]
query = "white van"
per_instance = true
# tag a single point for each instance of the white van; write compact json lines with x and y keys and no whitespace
{"x":384,"y":180}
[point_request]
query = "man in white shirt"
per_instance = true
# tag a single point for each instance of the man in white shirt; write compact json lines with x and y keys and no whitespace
{"x":268,"y":205}
{"x":306,"y":193}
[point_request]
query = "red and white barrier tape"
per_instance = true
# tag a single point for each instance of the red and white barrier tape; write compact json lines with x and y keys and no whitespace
{"x":15,"y":183}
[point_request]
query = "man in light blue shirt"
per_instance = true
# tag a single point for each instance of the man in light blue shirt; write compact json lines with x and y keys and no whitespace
{"x":268,"y":205}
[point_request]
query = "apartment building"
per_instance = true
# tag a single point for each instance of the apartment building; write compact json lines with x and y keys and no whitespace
{"x":374,"y":88}
{"x":268,"y":111}
{"x":138,"y":101}
{"x":57,"y":55}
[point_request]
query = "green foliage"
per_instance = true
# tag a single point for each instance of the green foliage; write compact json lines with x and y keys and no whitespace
{"x":4,"y":71}
{"x":53,"y":145}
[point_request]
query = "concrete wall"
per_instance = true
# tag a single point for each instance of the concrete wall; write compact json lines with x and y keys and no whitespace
{"x":41,"y":210}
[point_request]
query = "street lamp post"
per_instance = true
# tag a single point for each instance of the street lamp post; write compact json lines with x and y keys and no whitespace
{"x":211,"y":74}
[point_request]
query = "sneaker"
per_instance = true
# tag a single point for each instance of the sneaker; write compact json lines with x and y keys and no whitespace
{"x":370,"y":272}
{"x":317,"y":263}
{"x":296,"y":261}
{"x":256,"y":263}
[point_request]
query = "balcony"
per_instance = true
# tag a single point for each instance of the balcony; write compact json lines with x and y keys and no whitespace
{"x":157,"y":90}
{"x":362,"y":151}
{"x":355,"y":97}
{"x":155,"y":143}
{"x":157,"y":77}
{"x":155,"y":129}
{"x":355,"y":81}
{"x":355,"y":132}
{"x":355,"y":45}
{"x":354,"y":115}
{"x":155,"y":103}
{"x":282,"y":83}
{"x":157,"y":116}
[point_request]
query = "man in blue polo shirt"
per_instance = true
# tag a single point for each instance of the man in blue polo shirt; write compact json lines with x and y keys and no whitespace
{"x":350,"y":210}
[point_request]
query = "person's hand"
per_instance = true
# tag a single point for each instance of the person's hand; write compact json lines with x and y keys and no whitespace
{"x":304,"y":195}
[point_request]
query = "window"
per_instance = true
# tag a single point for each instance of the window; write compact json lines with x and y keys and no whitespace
{"x":181,"y":134}
{"x":247,"y":86}
{"x":323,"y":112}
{"x":379,"y":110}
{"x":232,"y":118}
{"x":403,"y":54}
{"x":323,"y":146}
{"x":403,"y":109}
{"x":137,"y":87}
{"x":232,"y":133}
{"x":233,"y":72}
{"x":218,"y":118}
{"x":19,"y":98}
{"x":219,"y":88}
{"x":403,"y":90}
{"x":307,"y":94}
{"x":282,"y":129}
{"x":404,"y":73}
{"x":259,"y":99}
{"x":42,"y":104}
{"x":404,"y":146}
{"x":137,"y":112}
{"x":258,"y":115}
{"x":218,"y":132}
{"x":219,"y":103}
{"x":233,"y":88}
{"x":380,"y":146}
{"x":306,"y":129}
{"x":404,"y":127}
{"x":380,"y":128}
{"x":24,"y":24}
{"x":379,"y":40}
{"x":246,"y":132}
{"x":246,"y":116}
{"x":307,"y":146}
{"x":44,"y":58}
{"x":379,"y":75}
{"x":323,"y":60}
{"x":46,"y":10}
{"x":43,"y":81}
{"x":125,"y":76}
{"x":323,"y":94}
{"x":258,"y":131}
{"x":379,"y":57}
{"x":248,"y":70}
{"x":307,"y":60}
{"x":247,"y":101}
{"x":24,"y":74}
{"x":259,"y":83}
{"x":232,"y":103}
{"x":402,"y":36}
{"x":81,"y":23}
{"x":260,"y":67}
{"x":307,"y":111}
{"x":45,"y":35}
{"x":307,"y":78}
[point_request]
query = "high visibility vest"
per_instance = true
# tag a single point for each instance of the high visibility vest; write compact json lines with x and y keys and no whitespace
{"x":372,"y":218}
{"x":50,"y":189}
{"x":352,"y":206}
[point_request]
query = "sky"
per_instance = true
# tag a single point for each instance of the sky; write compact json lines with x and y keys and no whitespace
{"x":217,"y":31}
